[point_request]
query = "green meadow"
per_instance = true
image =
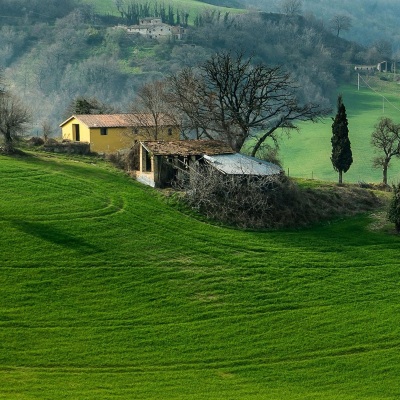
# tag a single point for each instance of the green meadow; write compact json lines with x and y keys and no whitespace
{"x":109,"y":291}
{"x":307,"y":154}
{"x":192,"y":6}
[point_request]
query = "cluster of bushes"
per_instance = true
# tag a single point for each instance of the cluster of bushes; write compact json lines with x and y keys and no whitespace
{"x":55,"y":146}
{"x":125,"y":160}
{"x":271,"y":202}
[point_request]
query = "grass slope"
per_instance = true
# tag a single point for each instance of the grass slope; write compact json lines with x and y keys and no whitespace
{"x":192,"y":6}
{"x":307,"y":154}
{"x":108,"y":293}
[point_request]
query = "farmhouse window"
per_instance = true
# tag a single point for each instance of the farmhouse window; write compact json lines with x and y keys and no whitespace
{"x":103,"y":131}
{"x":169,"y":131}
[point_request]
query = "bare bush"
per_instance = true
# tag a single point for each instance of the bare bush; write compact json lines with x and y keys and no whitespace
{"x":270,"y":202}
{"x":126,"y":160}
{"x":244,"y":201}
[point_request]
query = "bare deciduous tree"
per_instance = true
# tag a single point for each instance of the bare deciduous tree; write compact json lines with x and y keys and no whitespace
{"x":340,"y":22}
{"x":231,"y":99}
{"x":185,"y":97}
{"x":14,"y":117}
{"x":291,"y":7}
{"x":151,"y":110}
{"x":46,"y":130}
{"x":386,"y":139}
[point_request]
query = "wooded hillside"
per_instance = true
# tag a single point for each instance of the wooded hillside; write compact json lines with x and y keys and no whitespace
{"x":53,"y":56}
{"x":371,"y":20}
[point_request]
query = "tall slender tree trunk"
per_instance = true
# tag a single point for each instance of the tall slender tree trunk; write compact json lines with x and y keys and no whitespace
{"x":385,"y":169}
{"x":340,"y":176}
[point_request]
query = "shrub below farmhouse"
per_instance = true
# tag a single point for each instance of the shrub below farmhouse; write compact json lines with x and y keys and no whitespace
{"x":271,"y":202}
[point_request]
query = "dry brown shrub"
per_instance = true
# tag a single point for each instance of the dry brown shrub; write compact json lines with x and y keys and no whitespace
{"x":271,"y":202}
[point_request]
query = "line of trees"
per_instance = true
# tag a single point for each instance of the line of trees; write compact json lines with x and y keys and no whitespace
{"x":132,"y":12}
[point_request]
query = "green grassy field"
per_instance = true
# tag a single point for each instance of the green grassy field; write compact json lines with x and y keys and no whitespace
{"x":307,"y":154}
{"x":194,"y":7}
{"x":108,"y":292}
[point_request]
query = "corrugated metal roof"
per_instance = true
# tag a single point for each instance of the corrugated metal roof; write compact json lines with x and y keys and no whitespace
{"x":120,"y":120}
{"x":239,"y":164}
{"x":187,"y":147}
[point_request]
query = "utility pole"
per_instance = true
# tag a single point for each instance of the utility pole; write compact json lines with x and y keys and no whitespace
{"x":394,"y":70}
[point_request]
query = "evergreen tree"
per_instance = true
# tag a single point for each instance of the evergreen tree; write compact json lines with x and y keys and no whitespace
{"x":341,"y":150}
{"x":171,"y":16}
{"x":85,"y":105}
{"x":393,"y":214}
{"x":82,"y":106}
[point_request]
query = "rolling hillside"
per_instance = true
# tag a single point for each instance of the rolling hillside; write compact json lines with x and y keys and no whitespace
{"x":371,"y":20}
{"x":108,"y":292}
{"x":193,"y":6}
{"x":307,"y":154}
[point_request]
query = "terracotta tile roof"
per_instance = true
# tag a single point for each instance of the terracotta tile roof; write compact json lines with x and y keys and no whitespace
{"x":187,"y":147}
{"x":120,"y":120}
{"x":104,"y":120}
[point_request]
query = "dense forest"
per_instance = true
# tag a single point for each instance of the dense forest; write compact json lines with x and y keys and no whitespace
{"x":51,"y":54}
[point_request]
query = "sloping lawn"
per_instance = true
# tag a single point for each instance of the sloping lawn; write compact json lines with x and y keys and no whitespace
{"x":192,"y":6}
{"x":307,"y":154}
{"x":108,"y":292}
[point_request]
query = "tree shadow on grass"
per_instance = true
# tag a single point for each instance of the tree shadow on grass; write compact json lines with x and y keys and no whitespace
{"x":55,"y":236}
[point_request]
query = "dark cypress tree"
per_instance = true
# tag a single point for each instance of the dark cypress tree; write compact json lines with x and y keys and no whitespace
{"x":171,"y":16}
{"x":82,"y":106}
{"x":342,"y":157}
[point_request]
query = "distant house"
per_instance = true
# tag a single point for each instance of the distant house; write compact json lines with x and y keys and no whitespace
{"x":365,"y":68}
{"x":160,"y":163}
{"x":388,"y":66}
{"x":109,"y":133}
{"x":154,"y":28}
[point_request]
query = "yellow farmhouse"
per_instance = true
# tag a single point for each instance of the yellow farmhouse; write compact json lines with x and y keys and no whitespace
{"x":109,"y":133}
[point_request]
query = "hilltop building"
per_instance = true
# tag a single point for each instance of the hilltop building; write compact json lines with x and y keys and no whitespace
{"x":154,"y":28}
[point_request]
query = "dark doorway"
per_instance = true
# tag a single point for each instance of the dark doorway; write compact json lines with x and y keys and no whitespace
{"x":77,"y":133}
{"x":148,"y":162}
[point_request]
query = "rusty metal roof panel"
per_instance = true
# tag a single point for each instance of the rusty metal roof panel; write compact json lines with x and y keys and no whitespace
{"x":187,"y":147}
{"x":239,"y":164}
